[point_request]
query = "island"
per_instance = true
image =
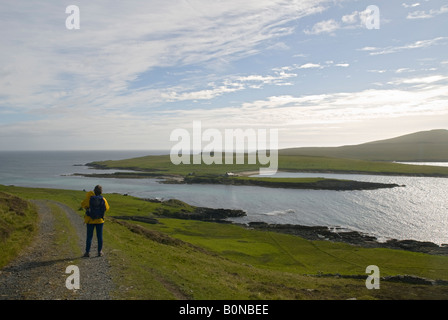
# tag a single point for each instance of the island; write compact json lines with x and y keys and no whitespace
{"x":237,"y":180}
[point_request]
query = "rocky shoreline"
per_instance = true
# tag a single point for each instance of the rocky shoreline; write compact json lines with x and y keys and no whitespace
{"x":307,"y":232}
{"x":333,"y":234}
{"x":350,"y":237}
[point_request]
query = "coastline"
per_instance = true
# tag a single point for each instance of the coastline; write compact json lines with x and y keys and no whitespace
{"x":312,"y":233}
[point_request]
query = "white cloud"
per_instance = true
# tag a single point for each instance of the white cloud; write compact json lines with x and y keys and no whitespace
{"x":229,"y":85}
{"x":356,"y":19}
{"x":420,"y":80}
{"x":327,"y":26}
{"x":415,"y":45}
{"x":401,"y":70}
{"x":413,"y":5}
{"x":321,"y":114}
{"x":310,"y":66}
{"x":199,"y":95}
{"x":351,"y":18}
{"x":427,"y":14}
{"x":343,"y":108}
{"x":368,"y":49}
{"x":279,"y":77}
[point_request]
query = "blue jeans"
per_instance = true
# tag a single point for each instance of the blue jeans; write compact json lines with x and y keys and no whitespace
{"x":99,"y":235}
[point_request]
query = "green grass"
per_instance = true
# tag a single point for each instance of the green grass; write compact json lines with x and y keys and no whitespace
{"x":186,"y":259}
{"x":229,"y":262}
{"x":323,"y":164}
{"x":18,"y":224}
{"x":162,"y":164}
{"x":290,"y":253}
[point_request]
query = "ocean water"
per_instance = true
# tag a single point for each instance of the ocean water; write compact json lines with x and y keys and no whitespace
{"x":418,"y":211}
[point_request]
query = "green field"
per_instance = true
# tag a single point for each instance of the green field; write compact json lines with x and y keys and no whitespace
{"x":186,"y":259}
{"x":162,"y":165}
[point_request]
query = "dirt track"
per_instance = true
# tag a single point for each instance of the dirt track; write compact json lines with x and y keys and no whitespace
{"x":39,"y":273}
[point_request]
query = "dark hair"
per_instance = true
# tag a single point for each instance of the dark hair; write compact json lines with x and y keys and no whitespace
{"x":98,"y":190}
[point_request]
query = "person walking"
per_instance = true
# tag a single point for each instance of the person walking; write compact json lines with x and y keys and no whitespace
{"x":96,"y":206}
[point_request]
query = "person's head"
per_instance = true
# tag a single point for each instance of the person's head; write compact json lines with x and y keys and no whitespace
{"x":98,"y":190}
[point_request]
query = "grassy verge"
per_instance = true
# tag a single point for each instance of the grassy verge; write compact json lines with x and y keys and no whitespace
{"x":186,"y":259}
{"x":18,"y":225}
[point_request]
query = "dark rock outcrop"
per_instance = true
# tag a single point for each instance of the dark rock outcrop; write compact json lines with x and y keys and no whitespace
{"x":204,"y":214}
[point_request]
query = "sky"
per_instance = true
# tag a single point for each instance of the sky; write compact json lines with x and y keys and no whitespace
{"x":322,"y":73}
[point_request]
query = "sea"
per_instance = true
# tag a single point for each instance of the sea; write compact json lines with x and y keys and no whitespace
{"x":417,"y":210}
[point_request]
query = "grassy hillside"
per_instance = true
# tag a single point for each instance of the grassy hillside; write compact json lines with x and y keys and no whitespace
{"x":187,"y":259}
{"x":373,"y":157}
{"x":420,"y":146}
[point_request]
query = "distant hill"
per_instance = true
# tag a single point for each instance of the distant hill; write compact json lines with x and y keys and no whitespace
{"x":420,"y":146}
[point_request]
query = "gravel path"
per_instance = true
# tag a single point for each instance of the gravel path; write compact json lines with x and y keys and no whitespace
{"x":39,"y":273}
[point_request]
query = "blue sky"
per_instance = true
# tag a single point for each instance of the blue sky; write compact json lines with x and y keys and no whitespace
{"x":137,"y":70}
